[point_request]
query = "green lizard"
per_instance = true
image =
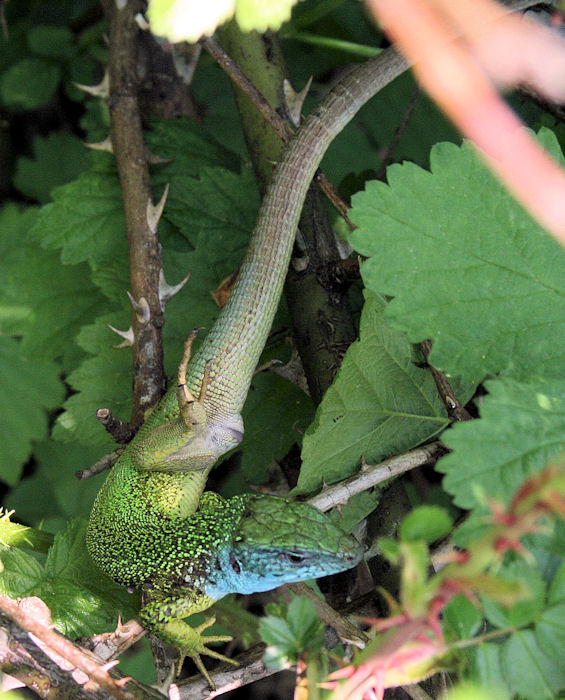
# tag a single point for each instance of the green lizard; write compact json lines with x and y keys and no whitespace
{"x":145,"y":529}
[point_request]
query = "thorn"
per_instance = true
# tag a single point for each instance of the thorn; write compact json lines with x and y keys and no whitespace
{"x":154,"y":212}
{"x":109,"y":665}
{"x":100,"y":90}
{"x":167,"y":291}
{"x":126,"y":335}
{"x":141,"y":22}
{"x":364,"y":465}
{"x":105,"y":145}
{"x":122,"y":681}
{"x":141,"y":308}
{"x":153,"y":159}
{"x":294,"y":100}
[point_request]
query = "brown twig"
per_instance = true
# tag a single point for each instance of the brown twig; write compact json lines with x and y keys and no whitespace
{"x":455,"y":410}
{"x":144,"y":254}
{"x":400,"y":129}
{"x":371,"y":475}
{"x":121,"y":432}
{"x":58,"y":662}
{"x":280,"y":125}
{"x":104,"y":463}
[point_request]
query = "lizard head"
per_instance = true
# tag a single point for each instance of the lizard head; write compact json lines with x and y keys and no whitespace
{"x":278,"y":541}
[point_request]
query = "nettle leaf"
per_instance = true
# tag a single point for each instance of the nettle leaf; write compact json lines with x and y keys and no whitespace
{"x":380,"y":403}
{"x":103,"y":380}
{"x":58,"y":158}
{"x":53,"y":491}
{"x":27,"y":391}
{"x":217,"y":202}
{"x":82,"y":600}
{"x":279,"y":409}
{"x":29,"y":83}
{"x":468,"y":268}
{"x":85,"y":219}
{"x":188,"y":146}
{"x":522,"y":426}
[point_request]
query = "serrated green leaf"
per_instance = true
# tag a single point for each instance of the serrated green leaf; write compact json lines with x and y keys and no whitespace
{"x":462,"y":617}
{"x":356,"y":509}
{"x":304,"y":621}
{"x":101,"y":381}
{"x":53,"y":491}
{"x":276,"y":632}
{"x":522,"y":612}
{"x":522,"y":426}
{"x":58,"y":158}
{"x":288,"y":638}
{"x":550,"y":631}
{"x":528,"y":670}
{"x":14,"y":224}
{"x":56,"y":311}
{"x":85,"y":219}
{"x":486,"y":669}
{"x":27,"y":391}
{"x":467,"y":266}
{"x":275,"y":416}
{"x":46,"y":40}
{"x":218,"y":202}
{"x":21,"y":573}
{"x":380,"y":403}
{"x":82,"y":600}
{"x":189,"y":147}
{"x":427,"y":523}
{"x":29,"y":83}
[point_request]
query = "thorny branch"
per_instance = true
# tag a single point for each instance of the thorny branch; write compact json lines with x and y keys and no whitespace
{"x":144,"y":254}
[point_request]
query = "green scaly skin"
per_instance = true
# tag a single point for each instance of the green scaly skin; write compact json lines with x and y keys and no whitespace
{"x":144,"y":528}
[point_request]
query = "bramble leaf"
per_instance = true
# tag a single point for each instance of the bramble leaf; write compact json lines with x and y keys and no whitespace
{"x":522,"y":426}
{"x":27,"y":391}
{"x":467,"y":267}
{"x":82,"y":600}
{"x":58,"y":158}
{"x":380,"y":403}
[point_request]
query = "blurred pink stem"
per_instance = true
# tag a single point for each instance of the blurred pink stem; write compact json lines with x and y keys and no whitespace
{"x":446,"y":55}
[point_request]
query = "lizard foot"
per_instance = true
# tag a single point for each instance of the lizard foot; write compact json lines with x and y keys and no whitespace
{"x":198,"y":648}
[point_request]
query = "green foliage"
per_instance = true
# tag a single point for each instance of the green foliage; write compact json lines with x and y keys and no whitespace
{"x":81,"y":600}
{"x":59,"y":158}
{"x":29,"y":83}
{"x":380,"y":402}
{"x":27,"y":391}
{"x":486,"y":277}
{"x":451,"y":258}
{"x":291,"y":632}
{"x":522,"y":427}
{"x":428,"y":523}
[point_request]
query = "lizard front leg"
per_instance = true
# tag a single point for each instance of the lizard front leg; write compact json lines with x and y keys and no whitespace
{"x":162,"y":617}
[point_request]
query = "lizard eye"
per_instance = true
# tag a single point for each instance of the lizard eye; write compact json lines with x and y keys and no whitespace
{"x":293,"y":557}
